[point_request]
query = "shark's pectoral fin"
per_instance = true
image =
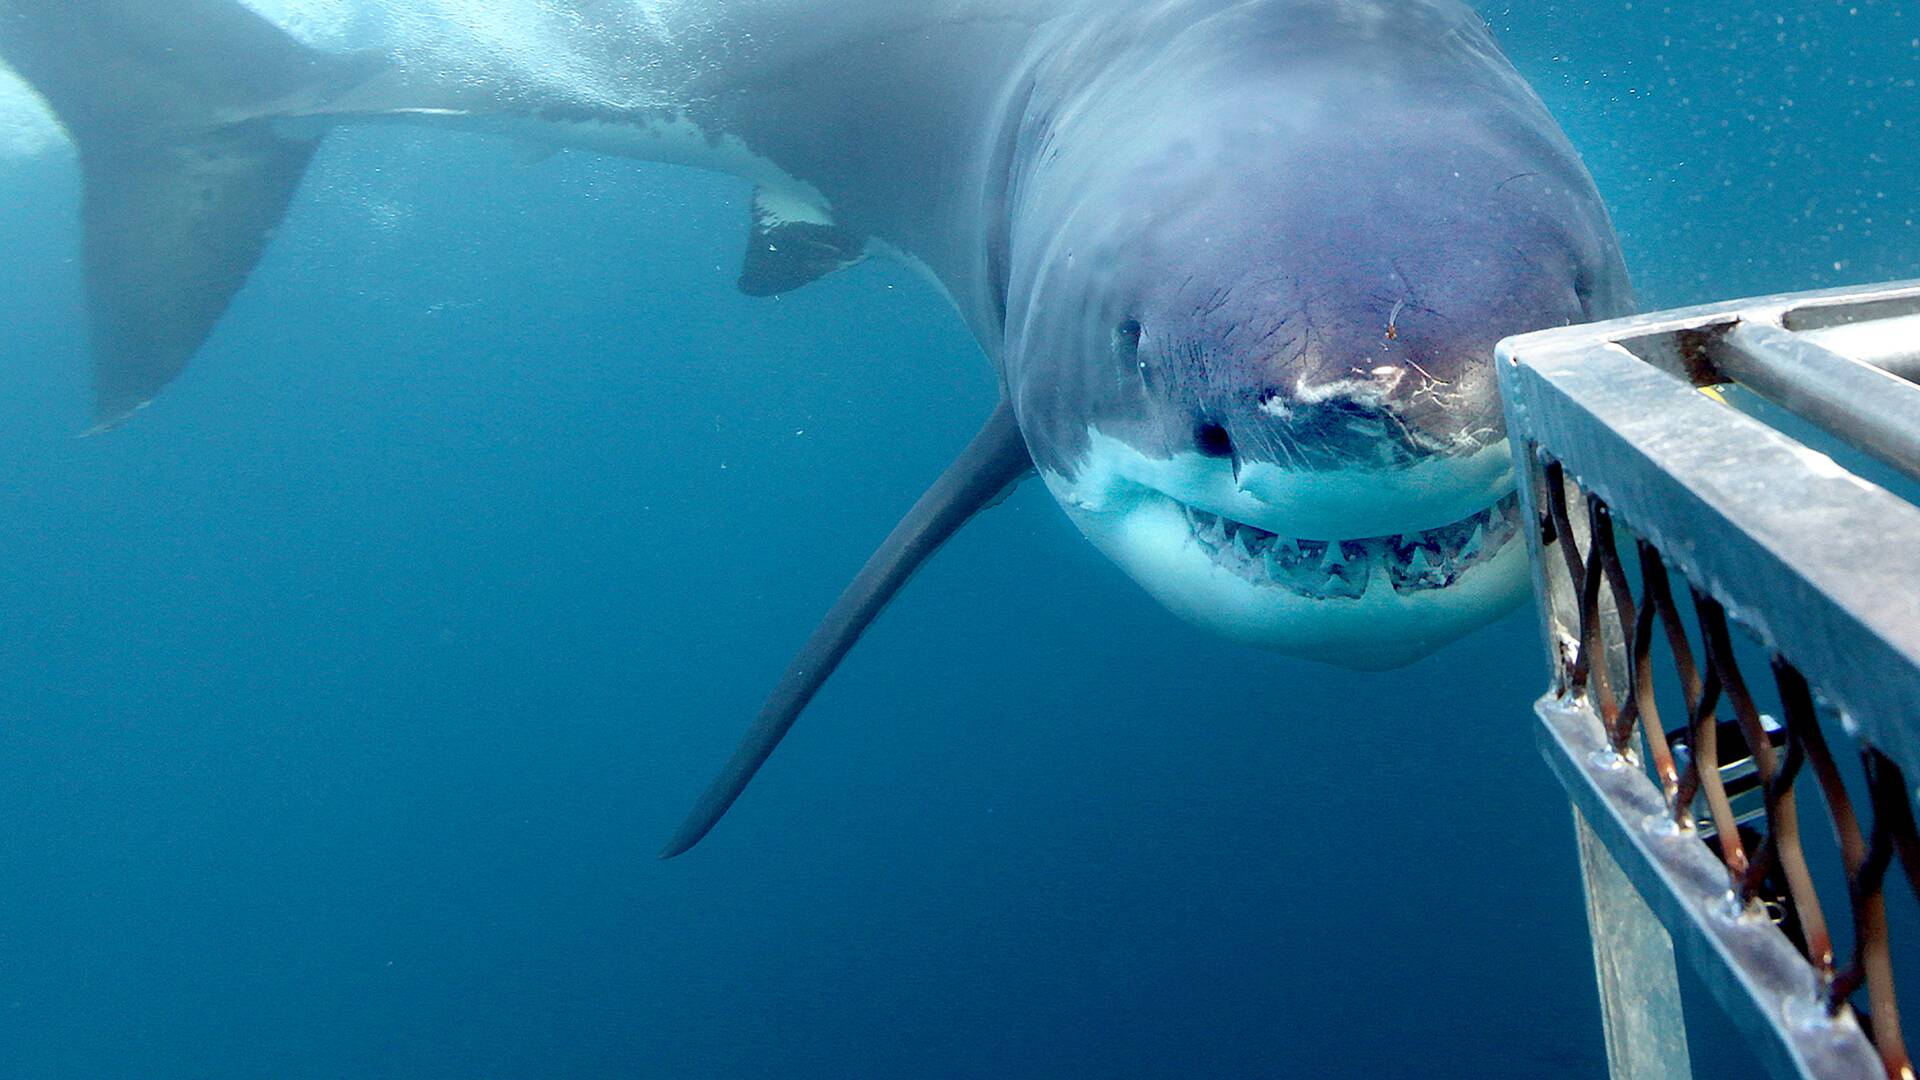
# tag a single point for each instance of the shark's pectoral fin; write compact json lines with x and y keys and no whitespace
{"x":793,"y":244}
{"x":980,"y":477}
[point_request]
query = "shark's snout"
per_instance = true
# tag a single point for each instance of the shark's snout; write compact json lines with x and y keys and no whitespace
{"x":1389,"y":417}
{"x":1356,"y":427}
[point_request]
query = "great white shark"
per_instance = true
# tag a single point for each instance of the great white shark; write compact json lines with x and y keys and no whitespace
{"x":1238,"y":265}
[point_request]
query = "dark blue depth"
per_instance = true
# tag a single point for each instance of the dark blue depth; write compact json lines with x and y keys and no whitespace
{"x":349,"y":690}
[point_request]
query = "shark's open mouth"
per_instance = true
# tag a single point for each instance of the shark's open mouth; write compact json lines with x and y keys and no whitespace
{"x":1364,"y":568}
{"x":1328,"y":569}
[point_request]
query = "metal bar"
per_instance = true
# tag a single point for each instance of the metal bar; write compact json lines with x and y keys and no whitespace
{"x":1670,"y":339}
{"x":1719,"y":642}
{"x":1659,"y":603}
{"x":1755,"y":519}
{"x":1892,"y":345}
{"x":1633,"y":963}
{"x":1803,"y":730}
{"x":1786,"y":542}
{"x":1606,"y":555}
{"x":1766,"y":987}
{"x":1643,"y":1023}
{"x":1808,"y":312}
{"x":1703,"y":740}
{"x":1872,"y":409}
{"x":1877,"y":957}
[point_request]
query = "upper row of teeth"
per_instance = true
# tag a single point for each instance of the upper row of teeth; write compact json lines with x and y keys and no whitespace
{"x":1430,"y":557}
{"x":1251,"y":540}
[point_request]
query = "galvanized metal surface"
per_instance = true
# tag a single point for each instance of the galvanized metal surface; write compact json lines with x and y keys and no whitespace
{"x":1633,"y":962}
{"x":1794,"y":548}
{"x":1873,"y":409}
{"x":1754,"y":972}
{"x":1767,"y":526}
{"x":1889,"y":344}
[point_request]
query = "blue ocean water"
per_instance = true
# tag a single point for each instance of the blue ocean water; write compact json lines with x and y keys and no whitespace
{"x":351,"y":688}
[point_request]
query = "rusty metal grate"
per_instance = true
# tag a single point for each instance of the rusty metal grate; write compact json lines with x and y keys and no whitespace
{"x":1681,"y":545}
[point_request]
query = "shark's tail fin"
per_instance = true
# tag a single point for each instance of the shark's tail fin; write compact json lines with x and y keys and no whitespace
{"x":170,"y":106}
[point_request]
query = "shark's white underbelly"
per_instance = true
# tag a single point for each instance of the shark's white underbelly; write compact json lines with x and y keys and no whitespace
{"x":670,"y":138}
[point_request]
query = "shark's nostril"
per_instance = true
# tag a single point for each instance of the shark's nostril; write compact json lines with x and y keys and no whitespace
{"x":1213,"y":440}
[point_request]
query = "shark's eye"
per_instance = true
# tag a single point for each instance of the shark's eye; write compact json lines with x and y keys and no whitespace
{"x":1126,"y":338}
{"x":1583,"y":292}
{"x":1213,"y":440}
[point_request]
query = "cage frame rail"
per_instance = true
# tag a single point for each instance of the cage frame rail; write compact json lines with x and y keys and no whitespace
{"x":1804,"y":557}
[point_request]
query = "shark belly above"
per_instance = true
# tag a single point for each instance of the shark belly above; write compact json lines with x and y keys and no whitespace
{"x":666,"y":136}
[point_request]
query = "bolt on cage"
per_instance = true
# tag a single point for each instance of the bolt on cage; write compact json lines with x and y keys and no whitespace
{"x":1733,"y":611}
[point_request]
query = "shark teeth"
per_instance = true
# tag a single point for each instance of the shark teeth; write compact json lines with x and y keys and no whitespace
{"x":1476,"y":542}
{"x":1328,"y":569}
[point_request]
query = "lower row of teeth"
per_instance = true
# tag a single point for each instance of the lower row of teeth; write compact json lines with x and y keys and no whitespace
{"x":1428,"y":560}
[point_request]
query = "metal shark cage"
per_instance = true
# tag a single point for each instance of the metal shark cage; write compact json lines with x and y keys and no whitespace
{"x":1732,"y":608}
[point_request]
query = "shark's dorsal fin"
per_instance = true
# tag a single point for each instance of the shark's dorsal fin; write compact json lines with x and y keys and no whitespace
{"x":794,"y":243}
{"x":184,"y":175}
{"x":984,"y":473}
